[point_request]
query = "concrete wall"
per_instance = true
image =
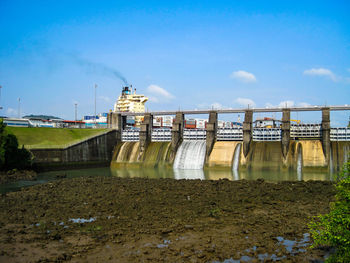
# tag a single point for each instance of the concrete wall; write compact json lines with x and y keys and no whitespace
{"x":95,"y":151}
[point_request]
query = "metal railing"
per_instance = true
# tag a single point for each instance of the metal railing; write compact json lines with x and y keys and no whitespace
{"x":131,"y":135}
{"x":236,"y":134}
{"x":229,"y":134}
{"x":195,"y":134}
{"x":340,"y":134}
{"x":161,"y":135}
{"x":267,"y":134}
{"x":305,"y":131}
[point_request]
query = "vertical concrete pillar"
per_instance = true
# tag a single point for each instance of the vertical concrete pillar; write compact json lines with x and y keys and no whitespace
{"x":285,"y":131}
{"x":115,"y":121}
{"x":326,"y":132}
{"x":177,"y":134}
{"x":212,"y":126}
{"x":146,"y":132}
{"x":247,"y":131}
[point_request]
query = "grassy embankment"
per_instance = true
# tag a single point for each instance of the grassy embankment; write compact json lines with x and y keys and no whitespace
{"x":33,"y":138}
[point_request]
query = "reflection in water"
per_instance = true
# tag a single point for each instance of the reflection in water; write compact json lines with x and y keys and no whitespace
{"x":236,"y":161}
{"x":189,"y":174}
{"x":299,"y":165}
{"x":207,"y":174}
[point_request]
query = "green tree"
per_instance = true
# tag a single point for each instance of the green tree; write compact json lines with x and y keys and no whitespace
{"x":333,"y":229}
{"x":10,"y":155}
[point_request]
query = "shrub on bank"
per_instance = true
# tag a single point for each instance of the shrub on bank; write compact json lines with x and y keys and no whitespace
{"x":333,"y":229}
{"x":10,"y":155}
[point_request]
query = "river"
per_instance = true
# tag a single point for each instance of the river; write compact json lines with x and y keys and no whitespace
{"x":206,"y":174}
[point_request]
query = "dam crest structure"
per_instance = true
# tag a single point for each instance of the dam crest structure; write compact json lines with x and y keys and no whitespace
{"x":293,"y":147}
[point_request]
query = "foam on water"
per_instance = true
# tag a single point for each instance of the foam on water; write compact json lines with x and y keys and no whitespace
{"x":190,"y":155}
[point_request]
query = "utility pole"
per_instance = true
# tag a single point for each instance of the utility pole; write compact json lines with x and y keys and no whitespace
{"x":19,"y":108}
{"x":76,"y":110}
{"x":0,"y":97}
{"x":95,"y":105}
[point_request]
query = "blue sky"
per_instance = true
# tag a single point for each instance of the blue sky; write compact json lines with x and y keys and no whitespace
{"x":182,"y":54}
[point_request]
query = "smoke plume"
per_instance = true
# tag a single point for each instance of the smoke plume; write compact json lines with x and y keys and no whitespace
{"x":99,"y":68}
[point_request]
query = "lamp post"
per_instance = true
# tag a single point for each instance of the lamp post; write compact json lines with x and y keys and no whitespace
{"x":0,"y":97}
{"x":76,"y":110}
{"x":95,"y":105}
{"x":19,"y":108}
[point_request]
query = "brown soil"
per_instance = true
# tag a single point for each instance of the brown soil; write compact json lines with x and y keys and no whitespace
{"x":158,"y":220}
{"x":16,"y":175}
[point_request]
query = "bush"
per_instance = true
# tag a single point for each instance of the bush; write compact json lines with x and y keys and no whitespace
{"x":10,"y":155}
{"x":333,"y":229}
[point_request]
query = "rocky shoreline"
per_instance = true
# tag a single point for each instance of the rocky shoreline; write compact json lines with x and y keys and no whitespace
{"x":110,"y":219}
{"x":16,"y":175}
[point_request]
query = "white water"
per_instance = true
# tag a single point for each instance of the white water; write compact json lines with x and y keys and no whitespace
{"x":189,"y":174}
{"x":235,"y":164}
{"x":299,"y":165}
{"x":190,"y":155}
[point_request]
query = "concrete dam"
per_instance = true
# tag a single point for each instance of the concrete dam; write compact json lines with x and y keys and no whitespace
{"x":290,"y":149}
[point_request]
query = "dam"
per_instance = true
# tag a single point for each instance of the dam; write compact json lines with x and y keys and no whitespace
{"x":289,"y":147}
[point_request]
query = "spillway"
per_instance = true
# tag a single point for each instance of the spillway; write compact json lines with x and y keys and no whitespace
{"x":222,"y":154}
{"x":190,"y":155}
{"x":127,"y":153}
{"x":266,"y":155}
{"x":156,"y":154}
{"x":312,"y":154}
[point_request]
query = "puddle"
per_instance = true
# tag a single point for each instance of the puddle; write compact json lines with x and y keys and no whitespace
{"x":166,"y":243}
{"x":292,"y":247}
{"x":82,"y":220}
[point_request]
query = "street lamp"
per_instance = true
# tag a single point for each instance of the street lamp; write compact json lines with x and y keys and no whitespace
{"x":19,"y":108}
{"x":0,"y":97}
{"x":76,"y":110}
{"x":95,"y":105}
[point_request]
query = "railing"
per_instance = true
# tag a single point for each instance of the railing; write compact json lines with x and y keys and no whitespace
{"x":267,"y":134}
{"x":305,"y":131}
{"x":195,"y":134}
{"x":161,"y":135}
{"x":131,"y":135}
{"x":236,"y":134}
{"x":229,"y":134}
{"x":340,"y":134}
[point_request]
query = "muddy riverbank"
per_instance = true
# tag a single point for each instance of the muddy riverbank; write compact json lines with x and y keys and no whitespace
{"x":17,"y":175}
{"x":103,"y":219}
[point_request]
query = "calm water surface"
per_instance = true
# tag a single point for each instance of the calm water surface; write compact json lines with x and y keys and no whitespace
{"x":271,"y":176}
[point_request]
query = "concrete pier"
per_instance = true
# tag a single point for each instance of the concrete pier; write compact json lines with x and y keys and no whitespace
{"x":247,"y":131}
{"x":117,"y":122}
{"x":177,"y":134}
{"x":211,"y":129}
{"x":285,"y":131}
{"x":146,"y":132}
{"x":326,"y":132}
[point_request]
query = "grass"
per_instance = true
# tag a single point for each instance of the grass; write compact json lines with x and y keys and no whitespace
{"x":51,"y":137}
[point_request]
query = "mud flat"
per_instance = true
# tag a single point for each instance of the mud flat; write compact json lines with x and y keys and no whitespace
{"x":110,"y":219}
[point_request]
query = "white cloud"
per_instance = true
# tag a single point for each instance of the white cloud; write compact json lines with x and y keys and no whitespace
{"x":286,"y":104}
{"x":269,"y":105}
{"x":303,"y":104}
{"x":159,"y":94}
{"x":216,"y":106}
{"x":245,"y":102}
{"x":321,"y":72}
{"x":11,"y":112}
{"x":243,"y":76}
{"x":105,"y":98}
